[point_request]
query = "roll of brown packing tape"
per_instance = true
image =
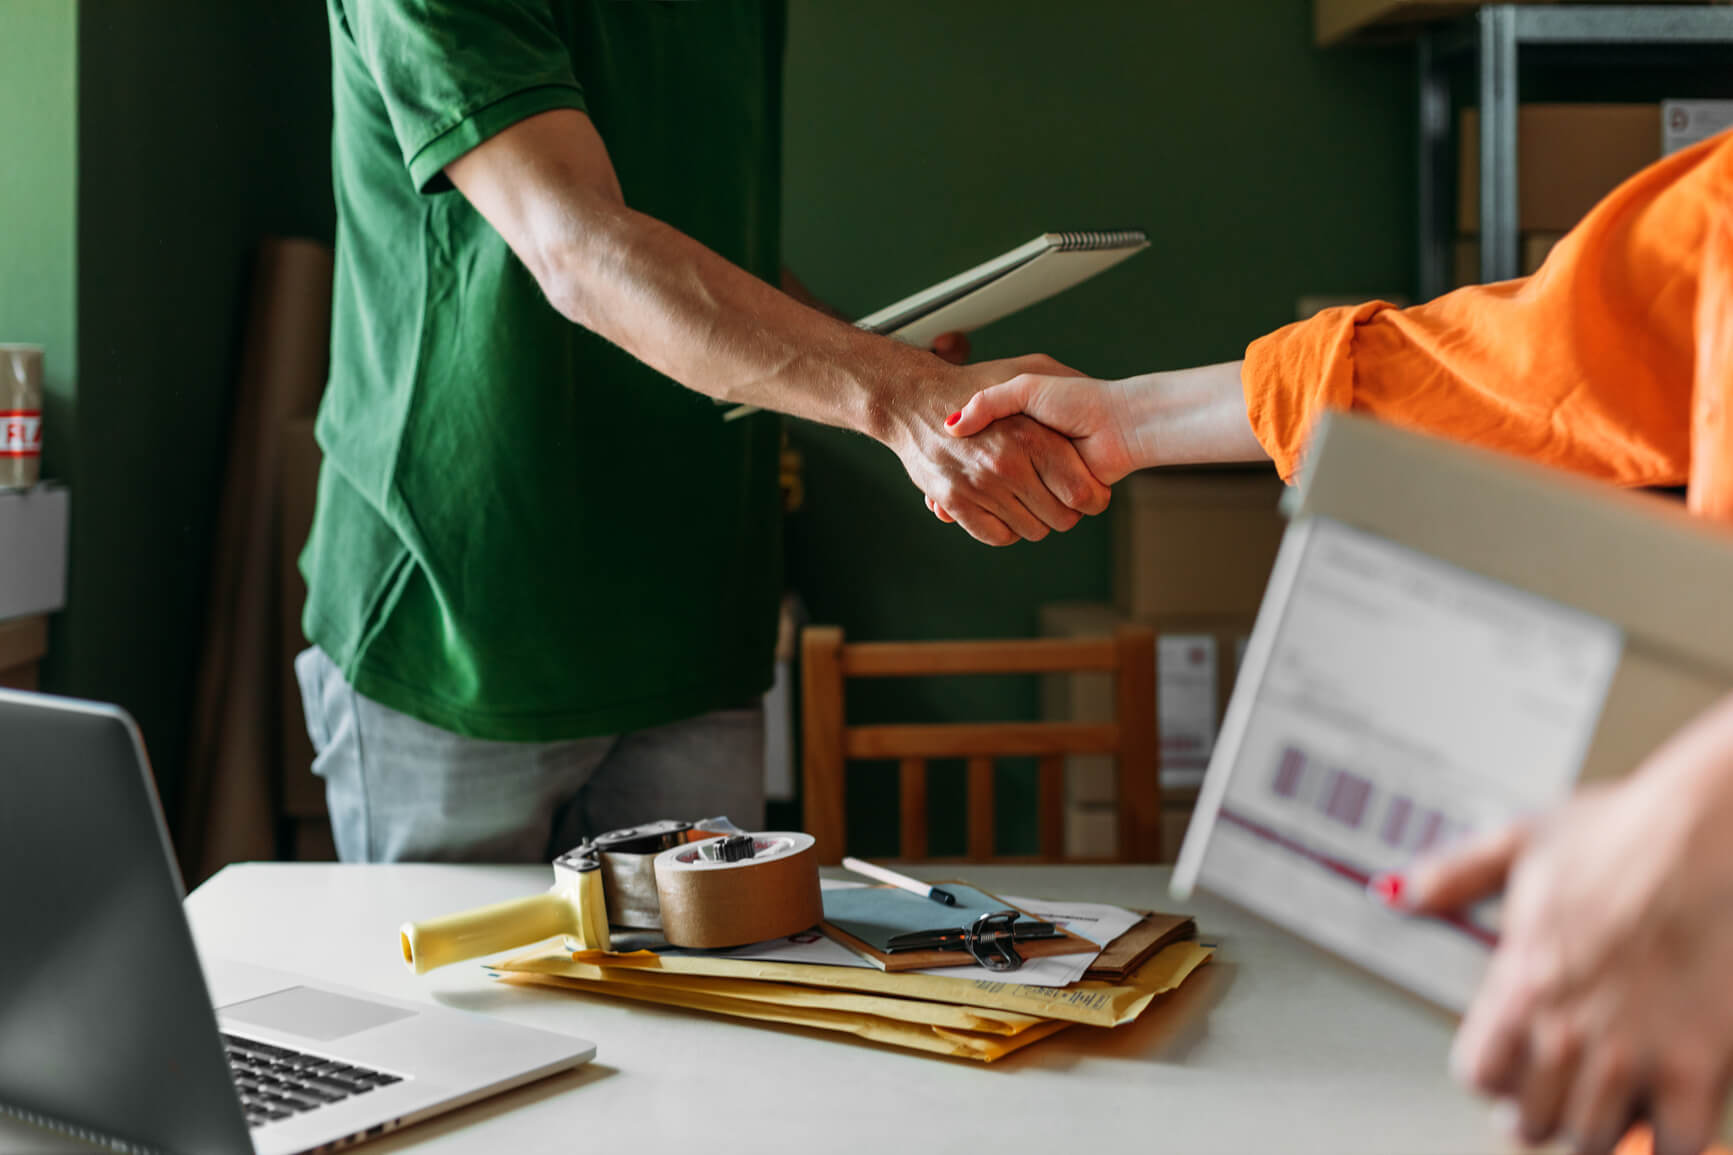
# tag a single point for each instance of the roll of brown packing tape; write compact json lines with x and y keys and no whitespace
{"x":628,"y":858}
{"x":711,"y":904}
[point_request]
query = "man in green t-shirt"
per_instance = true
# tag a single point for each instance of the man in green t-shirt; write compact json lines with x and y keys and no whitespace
{"x":544,"y":571}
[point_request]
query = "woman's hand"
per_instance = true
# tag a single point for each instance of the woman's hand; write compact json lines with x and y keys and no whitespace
{"x":1185,"y":417}
{"x":1610,"y":996}
{"x":1097,"y":415}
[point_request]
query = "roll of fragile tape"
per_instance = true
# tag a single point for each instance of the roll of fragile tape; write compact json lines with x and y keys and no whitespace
{"x":708,"y":904}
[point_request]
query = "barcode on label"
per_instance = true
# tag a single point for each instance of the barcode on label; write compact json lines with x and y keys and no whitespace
{"x":1356,"y":802}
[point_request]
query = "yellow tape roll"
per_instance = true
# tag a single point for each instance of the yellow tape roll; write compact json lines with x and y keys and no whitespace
{"x":707,"y":905}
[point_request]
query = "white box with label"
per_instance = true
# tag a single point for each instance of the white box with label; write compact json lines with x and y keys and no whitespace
{"x":1688,"y":122}
{"x":1450,"y":640}
{"x":33,"y":532}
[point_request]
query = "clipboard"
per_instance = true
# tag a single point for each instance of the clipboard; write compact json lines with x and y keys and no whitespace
{"x":1120,"y":958}
{"x":899,"y":911}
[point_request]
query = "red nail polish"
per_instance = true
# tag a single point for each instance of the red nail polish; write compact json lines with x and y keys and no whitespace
{"x":954,"y":418}
{"x":1388,"y":889}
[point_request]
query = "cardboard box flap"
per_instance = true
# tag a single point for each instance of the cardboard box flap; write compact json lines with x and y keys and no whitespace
{"x":1578,"y":542}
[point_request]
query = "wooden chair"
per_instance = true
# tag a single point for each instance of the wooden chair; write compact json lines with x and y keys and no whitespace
{"x":830,"y":743}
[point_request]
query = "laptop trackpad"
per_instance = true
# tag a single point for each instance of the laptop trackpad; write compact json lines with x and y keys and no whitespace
{"x":313,"y":1014}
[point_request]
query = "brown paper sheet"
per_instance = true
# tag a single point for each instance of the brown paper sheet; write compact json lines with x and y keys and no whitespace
{"x":230,"y":803}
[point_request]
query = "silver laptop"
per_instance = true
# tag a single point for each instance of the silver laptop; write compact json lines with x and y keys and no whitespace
{"x":107,"y":1019}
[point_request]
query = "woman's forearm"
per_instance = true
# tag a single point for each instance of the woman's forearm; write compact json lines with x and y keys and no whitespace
{"x":1189,"y":416}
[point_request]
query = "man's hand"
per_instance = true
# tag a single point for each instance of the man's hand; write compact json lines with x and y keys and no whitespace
{"x":952,"y":347}
{"x":1018,"y":480}
{"x":1610,"y":996}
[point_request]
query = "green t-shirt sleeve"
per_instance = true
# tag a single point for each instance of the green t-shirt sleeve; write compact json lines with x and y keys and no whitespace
{"x":453,"y":73}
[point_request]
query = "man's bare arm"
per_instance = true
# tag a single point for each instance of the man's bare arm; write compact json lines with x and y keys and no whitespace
{"x":547,"y":185}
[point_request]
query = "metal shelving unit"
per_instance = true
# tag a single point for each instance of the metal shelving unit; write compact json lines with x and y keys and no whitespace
{"x":1497,"y":38}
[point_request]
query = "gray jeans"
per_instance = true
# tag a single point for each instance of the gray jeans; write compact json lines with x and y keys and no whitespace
{"x":400,"y":790}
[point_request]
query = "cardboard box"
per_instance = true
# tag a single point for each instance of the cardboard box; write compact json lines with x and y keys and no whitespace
{"x":33,"y":529}
{"x":1569,"y":156}
{"x":23,"y":643}
{"x":1091,"y":831}
{"x":1176,"y":812}
{"x":1534,"y":249}
{"x":1194,"y":543}
{"x":1196,"y":661}
{"x":302,"y":792}
{"x":1337,"y":20}
{"x":1090,"y":779}
{"x":1451,"y":640}
{"x":1688,"y":122}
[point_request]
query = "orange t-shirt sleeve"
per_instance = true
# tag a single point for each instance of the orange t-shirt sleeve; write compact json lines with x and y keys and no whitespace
{"x":1586,"y":365}
{"x":1712,"y":426}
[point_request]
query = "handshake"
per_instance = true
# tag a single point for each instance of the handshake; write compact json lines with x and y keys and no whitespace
{"x":1014,"y":449}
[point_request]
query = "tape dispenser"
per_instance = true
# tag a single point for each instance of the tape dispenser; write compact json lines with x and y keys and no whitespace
{"x":706,"y":885}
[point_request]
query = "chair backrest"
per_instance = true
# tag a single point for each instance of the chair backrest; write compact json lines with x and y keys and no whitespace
{"x":827,"y":662}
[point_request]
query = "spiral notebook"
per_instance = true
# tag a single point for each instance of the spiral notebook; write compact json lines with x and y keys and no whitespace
{"x":1029,"y":273}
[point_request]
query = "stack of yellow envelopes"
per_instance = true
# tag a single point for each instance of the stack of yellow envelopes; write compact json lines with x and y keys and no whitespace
{"x":967,"y":1018}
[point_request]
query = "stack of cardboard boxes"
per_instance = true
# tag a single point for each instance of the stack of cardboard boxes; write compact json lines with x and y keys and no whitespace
{"x":1193,"y":549}
{"x":1570,"y":156}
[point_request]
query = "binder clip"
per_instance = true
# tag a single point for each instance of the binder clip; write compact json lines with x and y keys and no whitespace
{"x":992,"y":939}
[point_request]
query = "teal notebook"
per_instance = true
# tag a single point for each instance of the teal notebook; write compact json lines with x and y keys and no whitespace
{"x":874,"y":914}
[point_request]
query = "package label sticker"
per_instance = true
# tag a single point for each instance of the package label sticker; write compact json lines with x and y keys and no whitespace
{"x":1186,"y":705}
{"x":1405,"y":703}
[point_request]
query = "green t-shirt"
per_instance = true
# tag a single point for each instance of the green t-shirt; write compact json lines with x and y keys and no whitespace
{"x":523,"y":533}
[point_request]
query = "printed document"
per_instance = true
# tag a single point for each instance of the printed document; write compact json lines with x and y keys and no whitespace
{"x":1389,"y":704}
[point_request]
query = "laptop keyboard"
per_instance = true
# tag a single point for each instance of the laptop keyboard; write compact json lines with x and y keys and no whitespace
{"x":275,"y":1082}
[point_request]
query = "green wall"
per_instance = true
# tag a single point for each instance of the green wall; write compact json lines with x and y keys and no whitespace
{"x":202,"y":125}
{"x":38,"y":195}
{"x":922,"y":138}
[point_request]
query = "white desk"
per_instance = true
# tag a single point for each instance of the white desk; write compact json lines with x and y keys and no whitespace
{"x":1273,"y":1047}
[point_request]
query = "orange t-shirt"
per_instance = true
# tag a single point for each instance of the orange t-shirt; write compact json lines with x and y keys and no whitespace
{"x":1614,"y":360}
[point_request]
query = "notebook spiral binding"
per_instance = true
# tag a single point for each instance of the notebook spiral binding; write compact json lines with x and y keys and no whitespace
{"x":1111,"y":239}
